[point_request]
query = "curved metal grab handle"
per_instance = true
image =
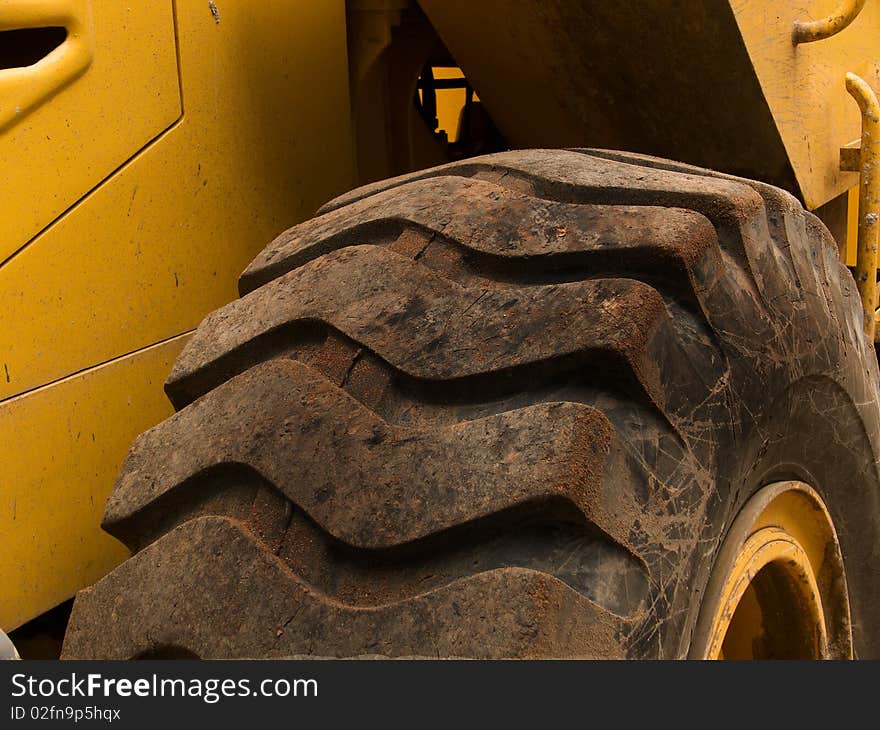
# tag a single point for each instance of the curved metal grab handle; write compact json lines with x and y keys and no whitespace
{"x":807,"y":31}
{"x":869,"y":198}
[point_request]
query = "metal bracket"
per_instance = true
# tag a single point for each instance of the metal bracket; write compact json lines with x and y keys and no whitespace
{"x":850,"y":156}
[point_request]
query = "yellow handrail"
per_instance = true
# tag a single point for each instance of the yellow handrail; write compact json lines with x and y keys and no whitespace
{"x":807,"y":31}
{"x":869,"y":198}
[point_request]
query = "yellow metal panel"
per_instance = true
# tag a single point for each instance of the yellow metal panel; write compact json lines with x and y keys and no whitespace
{"x":265,"y":139}
{"x":80,"y":129}
{"x":805,"y":84}
{"x":22,"y":89}
{"x":60,"y":451}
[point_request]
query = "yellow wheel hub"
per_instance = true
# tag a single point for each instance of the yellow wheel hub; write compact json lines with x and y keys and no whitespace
{"x":778,"y":589}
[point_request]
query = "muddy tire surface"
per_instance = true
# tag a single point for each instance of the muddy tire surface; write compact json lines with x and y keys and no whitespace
{"x":507,"y":407}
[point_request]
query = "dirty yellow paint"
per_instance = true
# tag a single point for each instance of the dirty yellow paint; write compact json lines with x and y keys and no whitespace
{"x":84,"y":109}
{"x":804,"y":84}
{"x":868,"y":225}
{"x":720,"y":85}
{"x":145,"y":212}
{"x":23,"y":88}
{"x":808,"y":31}
{"x":785,"y":525}
{"x":151,"y":251}
{"x":61,"y":448}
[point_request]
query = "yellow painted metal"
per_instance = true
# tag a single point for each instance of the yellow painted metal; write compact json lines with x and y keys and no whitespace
{"x":807,"y":31}
{"x":389,"y":44}
{"x":94,"y":102}
{"x":148,"y":253}
{"x":634,"y":76}
{"x":852,"y":225}
{"x":263,"y":140}
{"x":803,"y":85}
{"x":61,"y":449}
{"x":850,"y":156}
{"x":22,"y":89}
{"x":784,"y":528}
{"x":370,"y":24}
{"x":765,"y":547}
{"x":450,"y":102}
{"x":869,"y":199}
{"x":768,"y":546}
{"x":721,"y":85}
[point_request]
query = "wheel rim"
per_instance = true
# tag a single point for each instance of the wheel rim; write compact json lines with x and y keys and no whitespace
{"x":778,"y":589}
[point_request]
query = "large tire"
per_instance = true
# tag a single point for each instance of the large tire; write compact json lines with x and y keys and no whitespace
{"x":503,"y":408}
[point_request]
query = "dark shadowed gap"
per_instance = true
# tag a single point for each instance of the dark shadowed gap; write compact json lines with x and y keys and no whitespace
{"x":26,"y":46}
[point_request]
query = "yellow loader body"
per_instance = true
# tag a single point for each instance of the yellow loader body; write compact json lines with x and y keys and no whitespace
{"x":136,"y":186}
